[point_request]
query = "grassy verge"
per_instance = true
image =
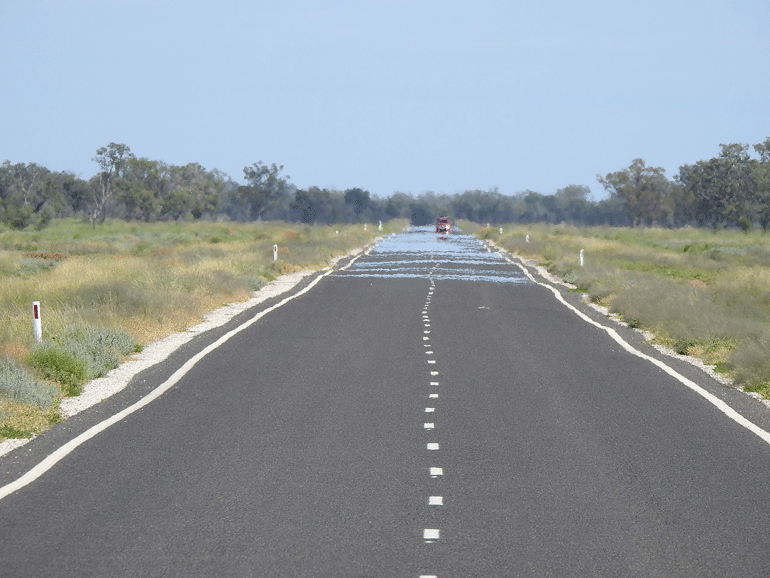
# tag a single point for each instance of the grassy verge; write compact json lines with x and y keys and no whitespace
{"x":701,"y":293}
{"x":107,"y":291}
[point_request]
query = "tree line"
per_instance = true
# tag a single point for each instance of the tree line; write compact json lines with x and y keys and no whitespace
{"x":732,"y":189}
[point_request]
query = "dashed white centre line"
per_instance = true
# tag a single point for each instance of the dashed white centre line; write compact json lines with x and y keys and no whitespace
{"x":434,"y":382}
{"x":436,"y":472}
{"x":430,"y":409}
{"x":433,"y":446}
{"x":433,"y":396}
{"x":430,"y":534}
{"x":432,"y":361}
{"x":435,"y":500}
{"x":434,"y":372}
{"x":429,"y":425}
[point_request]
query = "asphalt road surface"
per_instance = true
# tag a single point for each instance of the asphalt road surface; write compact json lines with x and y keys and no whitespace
{"x":426,"y":410}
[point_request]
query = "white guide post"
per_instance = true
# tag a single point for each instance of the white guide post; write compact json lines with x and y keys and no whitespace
{"x":581,"y":257}
{"x":37,"y":327}
{"x":275,"y":252}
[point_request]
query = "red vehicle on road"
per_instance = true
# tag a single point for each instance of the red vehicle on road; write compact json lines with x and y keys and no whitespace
{"x":443,"y":225}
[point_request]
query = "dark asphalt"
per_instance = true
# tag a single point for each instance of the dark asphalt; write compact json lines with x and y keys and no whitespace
{"x":299,"y":448}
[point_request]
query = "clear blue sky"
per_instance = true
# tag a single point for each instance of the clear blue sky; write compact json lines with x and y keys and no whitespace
{"x":387,"y":95}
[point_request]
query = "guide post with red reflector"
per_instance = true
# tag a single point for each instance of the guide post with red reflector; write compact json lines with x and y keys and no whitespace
{"x":36,"y":325}
{"x":275,"y":252}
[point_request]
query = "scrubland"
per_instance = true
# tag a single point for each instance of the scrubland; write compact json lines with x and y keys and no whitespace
{"x":107,"y":291}
{"x":701,"y":292}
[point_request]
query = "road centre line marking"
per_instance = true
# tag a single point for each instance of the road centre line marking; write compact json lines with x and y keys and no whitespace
{"x":429,"y":425}
{"x":435,"y":472}
{"x":430,"y":409}
{"x":710,"y":397}
{"x":430,"y":534}
{"x":55,"y":457}
{"x":431,"y":361}
{"x":434,"y":372}
{"x":434,"y":382}
{"x":433,"y":446}
{"x":435,"y":500}
{"x":433,"y":396}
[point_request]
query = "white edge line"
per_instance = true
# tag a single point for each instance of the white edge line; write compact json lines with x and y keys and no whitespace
{"x":55,"y":457}
{"x":710,"y":397}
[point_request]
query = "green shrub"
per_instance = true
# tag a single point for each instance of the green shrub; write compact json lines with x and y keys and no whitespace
{"x":18,"y":385}
{"x":82,"y":354}
{"x":683,"y":346}
{"x":100,"y":349}
{"x":11,"y":432}
{"x":57,"y":364}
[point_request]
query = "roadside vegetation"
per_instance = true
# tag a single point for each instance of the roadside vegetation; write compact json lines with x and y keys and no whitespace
{"x":107,"y":291}
{"x":702,"y":293}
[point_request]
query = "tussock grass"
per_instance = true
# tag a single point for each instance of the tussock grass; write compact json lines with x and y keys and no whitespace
{"x":141,"y":281}
{"x":702,"y":293}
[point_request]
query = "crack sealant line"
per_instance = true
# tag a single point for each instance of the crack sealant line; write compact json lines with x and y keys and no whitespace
{"x":55,"y":457}
{"x":710,"y":397}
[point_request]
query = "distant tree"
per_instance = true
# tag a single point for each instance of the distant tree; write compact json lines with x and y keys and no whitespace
{"x":176,"y":205}
{"x":29,"y":195}
{"x":357,"y":203}
{"x":315,"y":204}
{"x":265,"y":187}
{"x":723,"y":187}
{"x":112,"y":161}
{"x":205,"y":190}
{"x":762,"y":182}
{"x":644,"y":190}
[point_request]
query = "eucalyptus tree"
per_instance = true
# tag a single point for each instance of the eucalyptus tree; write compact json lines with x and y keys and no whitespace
{"x":723,"y":188}
{"x":113,"y":161}
{"x":265,"y":188}
{"x":646,"y":192}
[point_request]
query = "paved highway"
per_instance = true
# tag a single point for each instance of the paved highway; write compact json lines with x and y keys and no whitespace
{"x":426,"y":410}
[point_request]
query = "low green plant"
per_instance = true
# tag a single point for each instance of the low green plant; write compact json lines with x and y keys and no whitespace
{"x":82,"y":354}
{"x":55,"y":363}
{"x":10,"y":432}
{"x":762,"y":389}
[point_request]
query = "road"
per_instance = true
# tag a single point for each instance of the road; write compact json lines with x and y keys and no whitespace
{"x":427,"y":410}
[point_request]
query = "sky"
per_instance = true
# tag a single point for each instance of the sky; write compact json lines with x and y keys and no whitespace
{"x":386,"y":95}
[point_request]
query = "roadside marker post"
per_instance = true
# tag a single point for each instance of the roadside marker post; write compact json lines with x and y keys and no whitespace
{"x":581,"y":257}
{"x":36,"y":324}
{"x":275,"y":252}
